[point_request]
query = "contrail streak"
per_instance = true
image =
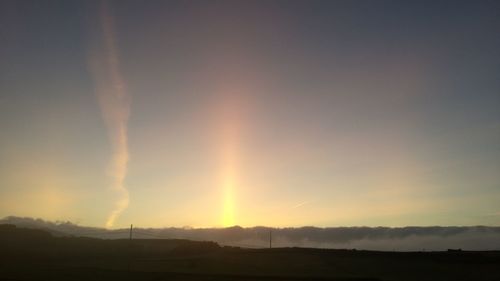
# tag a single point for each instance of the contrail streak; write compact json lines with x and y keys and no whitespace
{"x":301,"y":204}
{"x":114,"y":103}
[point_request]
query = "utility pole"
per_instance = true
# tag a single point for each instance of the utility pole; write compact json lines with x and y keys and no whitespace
{"x":130,"y":249}
{"x":270,"y":238}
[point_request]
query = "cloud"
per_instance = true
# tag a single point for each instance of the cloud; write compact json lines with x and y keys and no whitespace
{"x":300,"y":204}
{"x":114,"y":102}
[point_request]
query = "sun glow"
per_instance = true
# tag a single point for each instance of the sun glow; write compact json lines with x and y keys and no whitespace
{"x":229,"y":185}
{"x":229,"y":172}
{"x":231,"y":84}
{"x":230,"y":153}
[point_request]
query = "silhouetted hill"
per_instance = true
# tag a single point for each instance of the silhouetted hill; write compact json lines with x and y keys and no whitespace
{"x":30,"y":254}
{"x":23,"y":242}
{"x":10,"y":232}
{"x":368,"y":238}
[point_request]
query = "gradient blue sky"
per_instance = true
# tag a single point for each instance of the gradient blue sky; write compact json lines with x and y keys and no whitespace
{"x":279,"y":113}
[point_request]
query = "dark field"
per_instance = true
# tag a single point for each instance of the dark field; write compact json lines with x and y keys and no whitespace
{"x":36,"y":255}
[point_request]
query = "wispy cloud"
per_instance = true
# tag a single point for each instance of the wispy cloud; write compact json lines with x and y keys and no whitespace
{"x":495,"y":214}
{"x":115,"y":107}
{"x":301,"y":204}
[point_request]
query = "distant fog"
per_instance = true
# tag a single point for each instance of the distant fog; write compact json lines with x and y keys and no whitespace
{"x":434,"y":238}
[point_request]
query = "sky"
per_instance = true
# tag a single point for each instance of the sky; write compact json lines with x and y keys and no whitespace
{"x":273,"y":113}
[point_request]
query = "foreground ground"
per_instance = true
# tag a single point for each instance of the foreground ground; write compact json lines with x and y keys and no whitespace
{"x":36,"y":255}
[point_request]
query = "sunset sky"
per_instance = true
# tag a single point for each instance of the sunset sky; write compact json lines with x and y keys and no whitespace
{"x":275,"y":113}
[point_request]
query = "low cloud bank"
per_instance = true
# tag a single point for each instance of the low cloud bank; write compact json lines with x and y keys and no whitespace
{"x":434,"y":238}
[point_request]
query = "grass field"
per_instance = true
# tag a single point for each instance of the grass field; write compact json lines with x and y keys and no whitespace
{"x":36,"y":255}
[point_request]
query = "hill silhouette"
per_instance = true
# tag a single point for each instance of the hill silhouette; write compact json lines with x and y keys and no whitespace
{"x":362,"y":238}
{"x":31,"y":254}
